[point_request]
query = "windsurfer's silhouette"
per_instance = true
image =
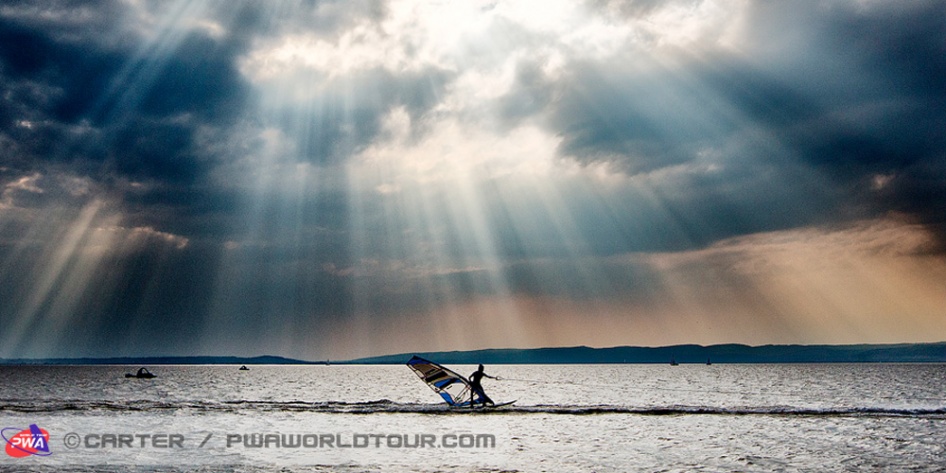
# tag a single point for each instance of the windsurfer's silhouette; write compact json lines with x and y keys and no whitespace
{"x":478,"y":388}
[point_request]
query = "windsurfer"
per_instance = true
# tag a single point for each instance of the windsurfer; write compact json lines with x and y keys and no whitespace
{"x":478,"y":388}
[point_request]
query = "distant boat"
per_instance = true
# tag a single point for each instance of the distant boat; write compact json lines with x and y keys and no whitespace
{"x":673,"y":362}
{"x":143,"y":373}
{"x":244,"y":368}
{"x":708,"y":362}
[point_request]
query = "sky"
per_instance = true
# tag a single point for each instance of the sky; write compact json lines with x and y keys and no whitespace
{"x":337,"y":179}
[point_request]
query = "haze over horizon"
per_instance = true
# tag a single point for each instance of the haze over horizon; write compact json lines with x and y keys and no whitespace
{"x":344,"y":179}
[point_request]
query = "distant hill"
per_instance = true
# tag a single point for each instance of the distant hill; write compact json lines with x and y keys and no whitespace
{"x":731,"y":353}
{"x":162,"y":360}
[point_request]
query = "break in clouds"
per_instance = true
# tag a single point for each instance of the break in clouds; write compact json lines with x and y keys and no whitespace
{"x":309,"y":178}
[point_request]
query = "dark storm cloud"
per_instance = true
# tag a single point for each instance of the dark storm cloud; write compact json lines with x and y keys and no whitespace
{"x":636,"y":8}
{"x":324,"y":18}
{"x":71,"y":78}
{"x":874,"y":85}
{"x":56,"y":60}
{"x":87,"y":94}
{"x":878,"y":83}
{"x":346,"y":114}
{"x":853,"y":92}
{"x":89,"y":90}
{"x":639,"y":121}
{"x":200,"y":78}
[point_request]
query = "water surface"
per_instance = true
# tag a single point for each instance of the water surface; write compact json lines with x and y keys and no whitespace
{"x":567,"y":418}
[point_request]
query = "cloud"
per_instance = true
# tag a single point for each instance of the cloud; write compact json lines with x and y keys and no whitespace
{"x":342,"y":116}
{"x":23,"y":184}
{"x":147,"y":236}
{"x":867,"y":280}
{"x":890,"y":237}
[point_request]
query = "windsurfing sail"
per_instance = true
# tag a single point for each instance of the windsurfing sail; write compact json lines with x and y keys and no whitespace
{"x":453,"y":388}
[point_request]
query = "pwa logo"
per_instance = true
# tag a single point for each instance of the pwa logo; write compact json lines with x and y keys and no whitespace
{"x":32,"y":441}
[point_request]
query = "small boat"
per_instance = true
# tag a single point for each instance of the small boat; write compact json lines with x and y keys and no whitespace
{"x":244,"y":368}
{"x":143,"y":373}
{"x":673,"y":362}
{"x":708,"y":362}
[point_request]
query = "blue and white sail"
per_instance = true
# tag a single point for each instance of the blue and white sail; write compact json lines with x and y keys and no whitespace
{"x":453,"y":388}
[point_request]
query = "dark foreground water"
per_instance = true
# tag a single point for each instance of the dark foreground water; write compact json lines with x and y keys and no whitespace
{"x":883,"y":417}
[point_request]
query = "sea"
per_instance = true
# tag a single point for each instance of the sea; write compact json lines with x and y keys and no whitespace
{"x":566,"y":418}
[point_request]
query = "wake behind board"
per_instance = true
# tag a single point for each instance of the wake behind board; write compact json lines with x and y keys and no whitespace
{"x":501,"y":404}
{"x":484,"y":407}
